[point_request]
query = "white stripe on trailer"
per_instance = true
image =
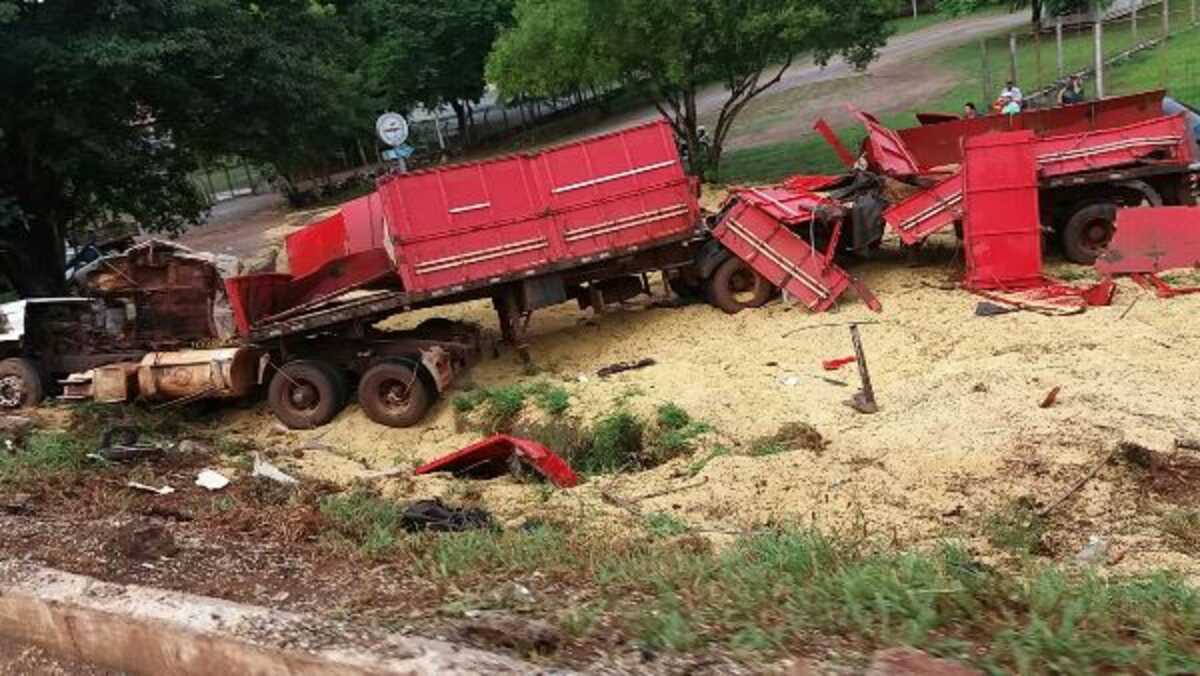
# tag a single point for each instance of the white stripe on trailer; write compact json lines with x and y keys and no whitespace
{"x":774,"y":201}
{"x":946,"y":204}
{"x":481,"y":255}
{"x":626,"y":222}
{"x":470,"y":207}
{"x":765,"y":249}
{"x":1080,"y":153}
{"x":612,"y":177}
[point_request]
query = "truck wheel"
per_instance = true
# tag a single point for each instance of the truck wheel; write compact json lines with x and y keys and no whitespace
{"x":735,"y":286}
{"x":392,"y":394}
{"x":21,"y":384}
{"x":1088,"y":233}
{"x":306,"y":394}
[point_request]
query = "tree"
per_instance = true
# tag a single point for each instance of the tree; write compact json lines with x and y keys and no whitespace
{"x":428,"y":52}
{"x":108,"y":105}
{"x":669,"y":51}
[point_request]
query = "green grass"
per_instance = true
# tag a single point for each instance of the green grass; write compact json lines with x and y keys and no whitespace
{"x":663,"y":525}
{"x":1017,"y":528}
{"x":372,"y":523}
{"x":924,"y":20}
{"x":496,"y":409}
{"x":1184,"y":528}
{"x":775,"y":593}
{"x":44,"y":453}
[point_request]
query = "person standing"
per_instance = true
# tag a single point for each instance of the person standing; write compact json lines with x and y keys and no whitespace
{"x":970,"y":112}
{"x":1012,"y":92}
{"x":1073,"y":92}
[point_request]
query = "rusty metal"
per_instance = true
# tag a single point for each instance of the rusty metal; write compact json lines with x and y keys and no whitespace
{"x":115,"y":383}
{"x":863,"y":400}
{"x":221,"y":374}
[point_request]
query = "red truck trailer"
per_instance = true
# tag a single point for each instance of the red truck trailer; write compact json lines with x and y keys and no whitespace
{"x":580,"y":221}
{"x":1093,"y":158}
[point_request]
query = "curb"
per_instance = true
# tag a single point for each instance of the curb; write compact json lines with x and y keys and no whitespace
{"x":143,"y":630}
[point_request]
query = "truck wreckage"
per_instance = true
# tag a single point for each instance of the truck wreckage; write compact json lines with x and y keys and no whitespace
{"x":588,"y":221}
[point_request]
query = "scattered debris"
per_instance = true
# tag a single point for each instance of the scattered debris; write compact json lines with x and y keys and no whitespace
{"x":434,"y":515}
{"x":863,"y":400}
{"x":621,"y":367}
{"x":14,"y":429}
{"x":20,"y":503}
{"x":1050,"y":398}
{"x":120,"y":444}
{"x":798,"y":436}
{"x":1096,"y":550}
{"x":265,"y":470}
{"x":1189,"y":443}
{"x":1152,"y":240}
{"x":912,"y":662}
{"x":144,"y":541}
{"x":989,"y":309}
{"x":835,"y":364}
{"x":491,"y":457}
{"x":211,"y":480}
{"x":165,"y":490}
{"x":191,"y":446}
{"x":511,"y":631}
{"x":979,"y":388}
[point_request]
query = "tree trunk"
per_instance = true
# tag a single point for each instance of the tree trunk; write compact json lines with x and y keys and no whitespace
{"x":460,"y":112}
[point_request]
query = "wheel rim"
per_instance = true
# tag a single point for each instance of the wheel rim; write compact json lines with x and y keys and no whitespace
{"x":1096,"y":235}
{"x":12,"y":391}
{"x":303,"y":396}
{"x":743,"y":285}
{"x":395,"y":394}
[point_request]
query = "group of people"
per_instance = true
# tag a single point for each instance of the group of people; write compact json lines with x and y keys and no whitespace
{"x":1011,"y":101}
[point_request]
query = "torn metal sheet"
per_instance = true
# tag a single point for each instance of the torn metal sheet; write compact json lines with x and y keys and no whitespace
{"x":822,"y":127}
{"x":490,"y":458}
{"x":1002,"y":233}
{"x":928,"y":211}
{"x":1151,"y":240}
{"x":885,"y":150}
{"x":1160,"y":288}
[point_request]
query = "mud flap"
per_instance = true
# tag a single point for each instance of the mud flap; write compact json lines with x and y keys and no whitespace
{"x":784,"y":259}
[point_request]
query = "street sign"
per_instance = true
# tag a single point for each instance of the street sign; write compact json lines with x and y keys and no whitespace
{"x":401,"y":152}
{"x":392,"y":129}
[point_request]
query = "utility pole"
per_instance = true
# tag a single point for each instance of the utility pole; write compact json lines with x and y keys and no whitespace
{"x":1098,"y":32}
{"x":1058,"y":37}
{"x":914,"y":3}
{"x":986,"y":80}
{"x":1133,"y":18}
{"x":1012,"y":56}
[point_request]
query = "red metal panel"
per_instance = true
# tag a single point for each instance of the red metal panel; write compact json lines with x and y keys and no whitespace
{"x":255,"y":297}
{"x":1164,"y":139}
{"x":822,"y":127}
{"x":1151,"y":240}
{"x":472,"y":222}
{"x":886,"y":151}
{"x":317,"y":244}
{"x":941,"y":144}
{"x":775,"y":252}
{"x":926,"y":212}
{"x":1002,"y":234}
{"x":489,"y":458}
{"x":364,"y":223}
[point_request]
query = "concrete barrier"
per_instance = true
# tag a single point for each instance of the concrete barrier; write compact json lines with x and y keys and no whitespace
{"x":143,"y":630}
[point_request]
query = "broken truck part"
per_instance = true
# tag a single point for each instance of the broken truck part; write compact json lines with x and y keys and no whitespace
{"x":493,"y":457}
{"x":1152,"y":240}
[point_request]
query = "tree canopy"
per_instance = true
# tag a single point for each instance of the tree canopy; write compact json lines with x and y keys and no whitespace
{"x":671,"y":50}
{"x":109,"y":105}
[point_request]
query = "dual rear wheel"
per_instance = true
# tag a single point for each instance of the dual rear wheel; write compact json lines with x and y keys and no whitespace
{"x":308,"y":393}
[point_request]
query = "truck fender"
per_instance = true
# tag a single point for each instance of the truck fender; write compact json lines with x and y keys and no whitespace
{"x":710,"y":257}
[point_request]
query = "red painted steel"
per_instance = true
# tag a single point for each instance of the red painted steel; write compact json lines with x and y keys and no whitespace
{"x":1002,"y":235}
{"x":1162,"y":139}
{"x":490,"y":457}
{"x":886,"y":152}
{"x":471,"y":222}
{"x":811,"y":183}
{"x":928,"y":211}
{"x":256,"y":297}
{"x":937,"y":145}
{"x":822,"y":127}
{"x":1152,"y":282}
{"x":756,"y":231}
{"x":358,"y":226}
{"x":1151,"y":240}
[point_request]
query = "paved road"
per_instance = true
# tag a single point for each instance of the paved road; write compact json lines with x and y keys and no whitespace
{"x":905,"y":48}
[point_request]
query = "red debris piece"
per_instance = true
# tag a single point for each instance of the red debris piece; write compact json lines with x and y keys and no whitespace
{"x":1153,"y":239}
{"x":822,"y":127}
{"x":810,"y":184}
{"x":1002,"y":231}
{"x":490,"y":458}
{"x":927,"y":212}
{"x":757,"y":230}
{"x":1161,"y":288}
{"x":885,"y":150}
{"x":835,"y":364}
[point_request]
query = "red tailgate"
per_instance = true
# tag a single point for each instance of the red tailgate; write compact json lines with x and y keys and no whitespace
{"x":926,"y":212}
{"x":1002,"y":234}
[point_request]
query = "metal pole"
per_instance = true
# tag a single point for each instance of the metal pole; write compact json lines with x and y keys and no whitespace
{"x":1166,"y":10}
{"x":914,"y":3}
{"x":863,"y":401}
{"x":1012,"y":56}
{"x":249,"y":178}
{"x":1037,"y":53}
{"x":228,"y":180}
{"x":1098,"y":32}
{"x":987,"y":73}
{"x":1166,"y":61}
{"x":1058,"y":39}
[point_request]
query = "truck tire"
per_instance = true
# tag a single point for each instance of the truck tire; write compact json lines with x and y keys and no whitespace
{"x":306,"y":394}
{"x":391,"y":393}
{"x":735,"y":286}
{"x":21,"y":383}
{"x":1087,"y":234}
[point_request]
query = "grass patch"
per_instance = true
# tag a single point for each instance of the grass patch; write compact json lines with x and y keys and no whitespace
{"x":44,"y":453}
{"x":697,"y":466}
{"x":616,"y":444}
{"x":663,"y":525}
{"x":496,"y":409}
{"x":370,"y":522}
{"x":1017,"y":528}
{"x":676,"y":433}
{"x":791,"y":436}
{"x":775,"y":592}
